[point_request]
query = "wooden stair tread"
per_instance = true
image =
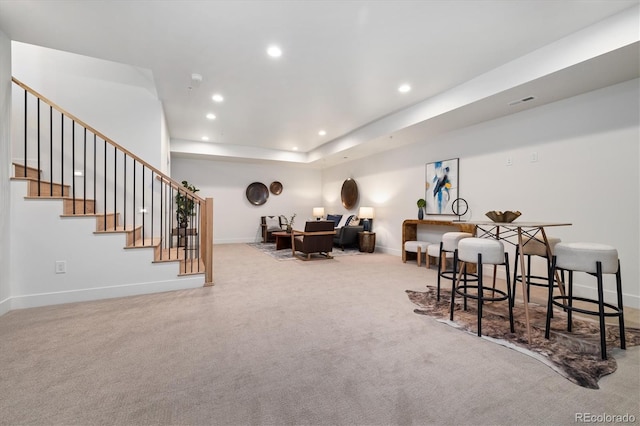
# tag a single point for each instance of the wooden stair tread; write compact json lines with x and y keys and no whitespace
{"x":146,"y":243}
{"x":117,"y":229}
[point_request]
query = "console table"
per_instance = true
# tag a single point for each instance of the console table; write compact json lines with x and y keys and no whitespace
{"x":410,"y":231}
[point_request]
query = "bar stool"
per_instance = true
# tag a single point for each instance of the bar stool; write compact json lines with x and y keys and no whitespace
{"x":433,"y":252}
{"x":448,"y":246}
{"x":596,"y":260}
{"x":482,"y":251}
{"x":418,"y":247}
{"x":533,"y":247}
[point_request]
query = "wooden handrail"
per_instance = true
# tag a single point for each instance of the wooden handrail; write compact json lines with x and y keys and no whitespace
{"x":64,"y":112}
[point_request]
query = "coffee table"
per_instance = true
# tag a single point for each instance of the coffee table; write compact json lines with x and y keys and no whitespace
{"x":283,"y":240}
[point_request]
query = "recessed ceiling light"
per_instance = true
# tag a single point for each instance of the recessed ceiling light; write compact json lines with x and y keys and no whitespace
{"x":322,"y":133}
{"x":295,"y":148}
{"x":217,"y":98}
{"x":404,"y":88}
{"x":211,"y":116}
{"x":274,"y":51}
{"x":205,"y":138}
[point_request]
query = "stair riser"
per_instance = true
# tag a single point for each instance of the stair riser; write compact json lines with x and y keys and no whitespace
{"x":47,"y":189}
{"x":31,"y":172}
{"x":81,"y":207}
{"x":133,"y":236}
{"x":112,"y":220}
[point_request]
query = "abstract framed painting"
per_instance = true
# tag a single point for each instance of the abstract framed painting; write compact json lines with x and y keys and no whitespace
{"x":441,"y":186}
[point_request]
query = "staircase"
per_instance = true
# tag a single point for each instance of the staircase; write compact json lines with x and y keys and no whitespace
{"x":94,"y":177}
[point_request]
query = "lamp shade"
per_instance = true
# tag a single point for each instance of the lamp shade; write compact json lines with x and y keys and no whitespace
{"x":366,"y":213}
{"x":318,"y":211}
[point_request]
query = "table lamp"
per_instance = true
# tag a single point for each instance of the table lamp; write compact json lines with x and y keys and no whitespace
{"x":318,"y":212}
{"x":366,"y":213}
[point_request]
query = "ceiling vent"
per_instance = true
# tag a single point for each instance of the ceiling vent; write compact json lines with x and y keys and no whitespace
{"x":519,"y":101}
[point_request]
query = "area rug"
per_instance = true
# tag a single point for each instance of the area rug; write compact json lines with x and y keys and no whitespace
{"x":285,"y":254}
{"x":574,"y":355}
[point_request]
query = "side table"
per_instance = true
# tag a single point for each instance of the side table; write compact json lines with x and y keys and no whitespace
{"x":367,"y":241}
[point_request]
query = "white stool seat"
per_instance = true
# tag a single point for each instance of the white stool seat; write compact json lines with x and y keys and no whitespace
{"x":450,"y":240}
{"x":583,"y":257}
{"x":412,"y":246}
{"x":492,"y":251}
{"x":536,"y":247}
{"x":434,"y":251}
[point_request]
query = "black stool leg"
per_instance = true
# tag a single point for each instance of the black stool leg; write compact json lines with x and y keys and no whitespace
{"x":453,"y":292}
{"x":515,"y":275}
{"x":528,"y":276}
{"x":603,"y":331}
{"x":570,"y":302}
{"x":552,"y":271}
{"x":506,"y":265}
{"x":480,"y":294}
{"x":623,"y":344}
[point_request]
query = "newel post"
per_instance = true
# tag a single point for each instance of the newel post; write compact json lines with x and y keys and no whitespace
{"x":207,"y":241}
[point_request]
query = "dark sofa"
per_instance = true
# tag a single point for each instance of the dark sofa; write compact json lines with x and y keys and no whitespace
{"x":347,"y":235}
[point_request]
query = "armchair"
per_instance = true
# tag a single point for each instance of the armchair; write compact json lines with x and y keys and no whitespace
{"x":317,"y":237}
{"x":347,"y":235}
{"x":269,"y":225}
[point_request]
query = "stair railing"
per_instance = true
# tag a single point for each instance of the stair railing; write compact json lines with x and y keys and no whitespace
{"x":104,"y":179}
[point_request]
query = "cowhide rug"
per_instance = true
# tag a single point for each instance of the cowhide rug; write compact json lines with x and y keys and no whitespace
{"x":575,"y":355}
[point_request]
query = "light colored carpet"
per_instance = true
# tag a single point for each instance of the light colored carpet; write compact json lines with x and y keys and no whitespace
{"x":274,"y":343}
{"x":285,"y":254}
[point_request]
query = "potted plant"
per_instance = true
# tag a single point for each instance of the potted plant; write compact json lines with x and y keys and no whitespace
{"x":185,"y":205}
{"x":421,"y":205}
{"x":288,"y":222}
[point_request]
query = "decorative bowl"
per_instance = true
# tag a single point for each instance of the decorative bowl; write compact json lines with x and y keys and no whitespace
{"x":504,"y":217}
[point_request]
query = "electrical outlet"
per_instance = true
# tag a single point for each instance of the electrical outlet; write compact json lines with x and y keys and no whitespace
{"x":61,"y":266}
{"x":509,"y":161}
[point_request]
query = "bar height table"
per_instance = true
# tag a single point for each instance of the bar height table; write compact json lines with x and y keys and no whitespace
{"x":506,"y":230}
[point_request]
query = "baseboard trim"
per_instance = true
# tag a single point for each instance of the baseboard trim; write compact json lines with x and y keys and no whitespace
{"x":5,"y":306}
{"x":99,"y":293}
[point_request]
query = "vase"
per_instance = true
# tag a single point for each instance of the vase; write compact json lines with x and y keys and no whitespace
{"x":420,"y":214}
{"x":289,"y":229}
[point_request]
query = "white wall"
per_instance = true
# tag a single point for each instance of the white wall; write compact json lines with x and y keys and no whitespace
{"x":235,"y":218}
{"x":586,"y":173}
{"x":5,"y":161}
{"x":116,"y":99}
{"x":97,"y":266}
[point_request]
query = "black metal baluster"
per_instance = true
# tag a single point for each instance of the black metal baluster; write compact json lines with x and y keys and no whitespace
{"x":84,"y":173}
{"x":95,"y":189}
{"x":62,"y":152}
{"x":142,"y":205}
{"x":151,"y":213}
{"x":51,"y":151}
{"x":162,"y":235}
{"x":115,"y":184}
{"x":171,"y":220}
{"x":104,"y":176}
{"x":124,"y":193}
{"x":134,"y":201}
{"x":73,"y":164}
{"x":25,"y":134}
{"x":38,"y":144}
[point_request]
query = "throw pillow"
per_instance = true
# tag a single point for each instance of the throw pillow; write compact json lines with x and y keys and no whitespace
{"x":273,"y":223}
{"x":335,"y":218}
{"x":355,"y":221}
{"x":344,"y":220}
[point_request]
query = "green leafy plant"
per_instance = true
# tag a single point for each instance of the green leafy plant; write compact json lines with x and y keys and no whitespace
{"x":185,"y":204}
{"x":288,"y":222}
{"x":422,"y":203}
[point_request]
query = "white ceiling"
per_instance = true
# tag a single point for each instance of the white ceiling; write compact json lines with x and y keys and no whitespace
{"x":342,"y":63}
